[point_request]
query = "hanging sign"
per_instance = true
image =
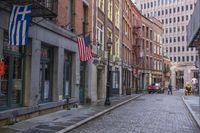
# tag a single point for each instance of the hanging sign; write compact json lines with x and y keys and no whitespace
{"x":2,"y":68}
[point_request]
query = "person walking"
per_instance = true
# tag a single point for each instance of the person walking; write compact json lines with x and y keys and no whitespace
{"x":169,"y":88}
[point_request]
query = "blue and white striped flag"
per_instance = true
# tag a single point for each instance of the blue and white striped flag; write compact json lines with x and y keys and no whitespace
{"x":19,"y":24}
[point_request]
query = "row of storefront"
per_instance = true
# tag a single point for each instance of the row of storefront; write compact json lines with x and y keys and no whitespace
{"x":43,"y":71}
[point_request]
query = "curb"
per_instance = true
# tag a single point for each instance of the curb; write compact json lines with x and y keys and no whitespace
{"x":96,"y":115}
{"x":192,"y":113}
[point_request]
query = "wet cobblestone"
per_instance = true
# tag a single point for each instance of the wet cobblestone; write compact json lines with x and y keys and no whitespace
{"x":154,"y":113}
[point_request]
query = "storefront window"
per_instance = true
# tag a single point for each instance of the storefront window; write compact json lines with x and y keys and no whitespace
{"x":11,"y":83}
{"x":67,"y":75}
{"x":45,"y":74}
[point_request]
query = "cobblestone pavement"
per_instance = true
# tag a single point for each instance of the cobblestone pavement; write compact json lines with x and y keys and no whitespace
{"x":151,"y":113}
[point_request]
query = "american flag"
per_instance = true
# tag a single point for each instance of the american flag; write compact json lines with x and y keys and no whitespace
{"x":84,"y":48}
{"x":19,"y":24}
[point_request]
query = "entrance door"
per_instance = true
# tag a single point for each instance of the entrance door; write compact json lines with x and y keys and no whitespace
{"x":82,"y":82}
{"x":115,"y":83}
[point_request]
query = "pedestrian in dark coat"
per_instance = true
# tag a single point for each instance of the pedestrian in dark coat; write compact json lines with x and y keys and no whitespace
{"x":169,"y":89}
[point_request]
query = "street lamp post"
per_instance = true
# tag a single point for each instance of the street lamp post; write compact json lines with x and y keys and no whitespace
{"x":107,"y":101}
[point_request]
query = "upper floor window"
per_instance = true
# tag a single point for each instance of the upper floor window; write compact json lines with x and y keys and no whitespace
{"x":101,"y":4}
{"x":100,"y":35}
{"x":110,"y":9}
{"x":116,"y":16}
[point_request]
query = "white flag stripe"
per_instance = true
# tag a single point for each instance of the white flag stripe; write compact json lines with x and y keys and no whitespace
{"x":84,"y":52}
{"x":18,"y":32}
{"x":19,"y":24}
{"x":24,"y":33}
{"x":11,"y":18}
{"x":14,"y":25}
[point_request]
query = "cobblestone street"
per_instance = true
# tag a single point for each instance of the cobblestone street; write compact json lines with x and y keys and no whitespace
{"x":151,"y":113}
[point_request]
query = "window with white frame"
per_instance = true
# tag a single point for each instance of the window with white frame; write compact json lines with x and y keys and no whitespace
{"x":155,"y":64}
{"x":116,"y":16}
{"x":154,"y":49}
{"x":110,"y":9}
{"x":100,"y":34}
{"x":117,"y":48}
{"x":101,"y":4}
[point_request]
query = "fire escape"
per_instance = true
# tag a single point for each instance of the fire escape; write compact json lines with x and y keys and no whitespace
{"x":137,"y":49}
{"x":40,"y":8}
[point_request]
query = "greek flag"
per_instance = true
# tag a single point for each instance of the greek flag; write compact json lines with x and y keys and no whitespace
{"x":19,"y":24}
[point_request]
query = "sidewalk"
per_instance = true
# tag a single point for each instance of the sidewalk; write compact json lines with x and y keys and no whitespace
{"x":66,"y":120}
{"x":193,"y":104}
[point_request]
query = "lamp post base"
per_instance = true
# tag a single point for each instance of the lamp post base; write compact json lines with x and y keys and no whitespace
{"x":107,"y":102}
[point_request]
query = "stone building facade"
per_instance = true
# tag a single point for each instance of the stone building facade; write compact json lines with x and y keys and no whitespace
{"x":174,"y":16}
{"x":41,"y":76}
{"x":152,"y":46}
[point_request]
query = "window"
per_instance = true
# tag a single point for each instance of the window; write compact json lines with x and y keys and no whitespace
{"x":170,"y":30}
{"x":117,"y":48}
{"x":178,"y":29}
{"x":151,"y":34}
{"x":183,"y":38}
{"x":170,"y":39}
{"x":166,"y":40}
{"x":187,"y":17}
{"x":174,"y":59}
{"x":179,"y":39}
{"x":174,"y":20}
{"x":171,"y":58}
{"x":183,"y":28}
{"x":170,"y":20}
{"x":116,"y":16}
{"x":174,"y":49}
{"x":182,"y":18}
{"x":192,"y":58}
{"x":178,"y":19}
{"x":166,"y":30}
{"x":183,"y":48}
{"x":170,"y":10}
{"x":166,"y":11}
{"x":110,"y":9}
{"x":174,"y":29}
{"x":166,"y":21}
{"x":141,"y":6}
{"x":174,"y":10}
{"x":186,"y":7}
{"x":188,"y":58}
{"x":144,"y":5}
{"x":170,"y":49}
{"x":183,"y":58}
{"x":70,"y":16}
{"x":179,"y":49}
{"x":162,"y":12}
{"x":179,"y":59}
{"x":182,"y":8}
{"x":178,"y":9}
{"x":174,"y":39}
{"x":151,"y":4}
{"x":158,"y":13}
{"x":100,"y":35}
{"x":101,"y":4}
{"x":191,"y":6}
